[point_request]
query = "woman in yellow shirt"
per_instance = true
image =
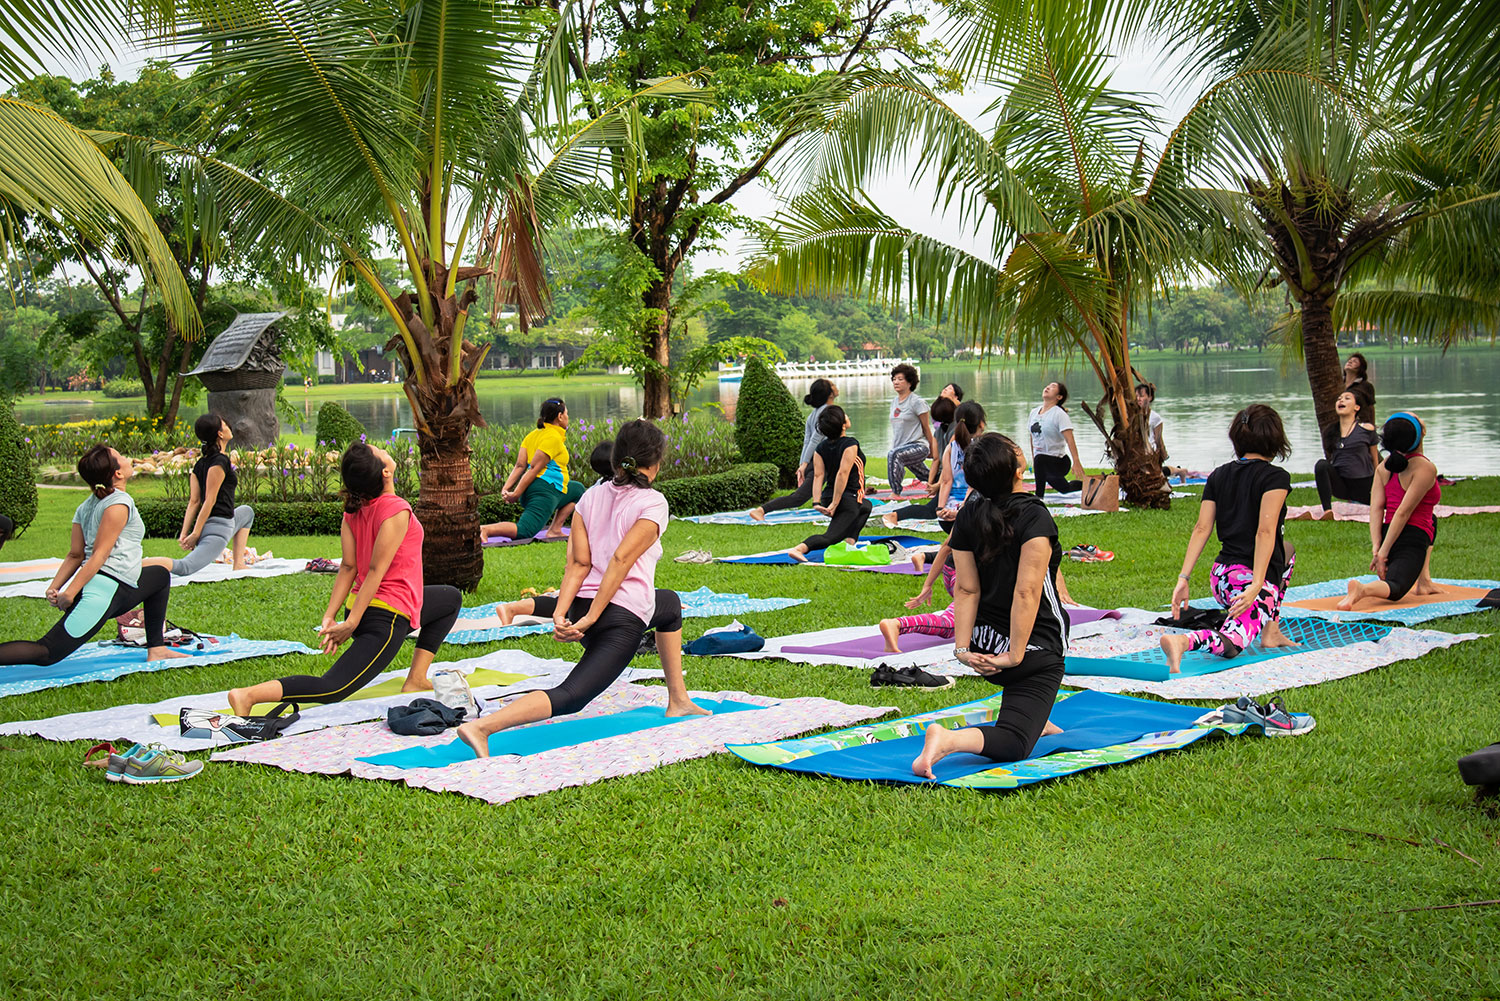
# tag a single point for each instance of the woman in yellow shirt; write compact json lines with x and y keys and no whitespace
{"x":540,"y":482}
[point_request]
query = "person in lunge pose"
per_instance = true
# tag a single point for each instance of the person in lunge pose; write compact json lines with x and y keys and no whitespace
{"x":1403,"y":524}
{"x":379,"y":586}
{"x":1054,"y":450}
{"x":839,"y":479}
{"x":1349,"y":471}
{"x":1245,"y":502}
{"x":912,"y":443}
{"x":967,"y":423}
{"x":212,"y":521}
{"x":819,"y":395}
{"x":1008,"y":623}
{"x":102,"y":576}
{"x":539,"y":481}
{"x":608,"y":594}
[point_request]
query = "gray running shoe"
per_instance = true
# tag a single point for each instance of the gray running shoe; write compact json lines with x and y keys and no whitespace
{"x":157,"y":766}
{"x":114,"y":769}
{"x":1272,"y":718}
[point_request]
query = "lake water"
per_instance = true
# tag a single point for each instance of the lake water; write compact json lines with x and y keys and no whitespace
{"x":1455,"y":394}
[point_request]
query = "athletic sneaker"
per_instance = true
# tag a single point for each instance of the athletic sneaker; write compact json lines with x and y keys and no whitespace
{"x":695,"y":556}
{"x":1272,"y":718}
{"x":907,"y":677}
{"x":157,"y":766}
{"x":114,"y":769}
{"x":1090,"y":554}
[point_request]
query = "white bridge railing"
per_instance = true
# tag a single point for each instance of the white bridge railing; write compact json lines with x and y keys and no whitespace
{"x":793,"y":371}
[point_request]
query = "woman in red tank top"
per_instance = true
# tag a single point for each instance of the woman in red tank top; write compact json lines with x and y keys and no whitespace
{"x":1403,"y":523}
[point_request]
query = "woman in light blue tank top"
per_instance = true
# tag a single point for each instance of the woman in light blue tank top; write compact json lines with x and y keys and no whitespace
{"x":953,"y":486}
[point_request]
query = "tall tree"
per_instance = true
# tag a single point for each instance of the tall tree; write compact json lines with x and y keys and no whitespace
{"x":764,"y":61}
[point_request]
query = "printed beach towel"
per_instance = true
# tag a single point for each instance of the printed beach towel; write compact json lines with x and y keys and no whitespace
{"x":213,"y":573}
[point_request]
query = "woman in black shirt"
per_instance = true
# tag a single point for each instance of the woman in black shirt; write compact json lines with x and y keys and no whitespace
{"x":1009,"y":623}
{"x":212,"y":522}
{"x":839,"y":479}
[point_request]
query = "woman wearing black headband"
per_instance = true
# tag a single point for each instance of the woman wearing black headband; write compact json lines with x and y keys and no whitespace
{"x":539,"y":482}
{"x":1403,"y":525}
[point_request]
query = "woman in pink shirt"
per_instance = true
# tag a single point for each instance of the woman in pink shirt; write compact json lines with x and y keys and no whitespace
{"x":1403,"y":525}
{"x":380,"y":588}
{"x":608,"y":593}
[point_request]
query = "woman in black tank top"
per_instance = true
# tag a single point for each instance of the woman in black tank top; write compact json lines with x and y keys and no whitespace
{"x":839,"y":483}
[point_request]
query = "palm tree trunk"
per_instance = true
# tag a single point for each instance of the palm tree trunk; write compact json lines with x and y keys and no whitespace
{"x":448,"y":508}
{"x":1135,"y":459}
{"x":658,"y":385}
{"x":1320,"y":349}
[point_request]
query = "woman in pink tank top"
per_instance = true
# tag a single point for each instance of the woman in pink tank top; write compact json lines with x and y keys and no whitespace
{"x":1403,"y":523}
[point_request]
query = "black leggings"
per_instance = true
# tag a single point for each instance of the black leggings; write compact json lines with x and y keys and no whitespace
{"x":1407,"y":557}
{"x":1332,"y":484}
{"x":608,"y":646}
{"x":847,"y":522}
{"x":796,"y":498}
{"x":101,"y":599}
{"x":1052,"y":471}
{"x":375,"y":643}
{"x":1030,"y":692}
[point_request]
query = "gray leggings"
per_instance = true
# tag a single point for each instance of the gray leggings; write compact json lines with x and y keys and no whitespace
{"x":216,"y":535}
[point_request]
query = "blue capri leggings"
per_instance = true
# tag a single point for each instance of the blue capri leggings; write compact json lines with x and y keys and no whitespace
{"x":215,"y":536}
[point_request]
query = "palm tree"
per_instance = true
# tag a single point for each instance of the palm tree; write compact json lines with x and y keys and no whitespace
{"x":1080,"y":227}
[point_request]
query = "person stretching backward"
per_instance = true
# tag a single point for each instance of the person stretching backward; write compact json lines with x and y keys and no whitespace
{"x":539,"y":481}
{"x":1052,"y":443}
{"x":211,"y":521}
{"x":1008,"y":622}
{"x":943,"y":409}
{"x":1349,"y":471}
{"x":379,"y":586}
{"x":102,"y":576}
{"x":839,"y":480}
{"x":912,"y":443}
{"x":608,"y":594}
{"x":968,"y":423}
{"x":819,"y":395}
{"x":1403,"y":525}
{"x":1245,"y":502}
{"x":1156,"y":442}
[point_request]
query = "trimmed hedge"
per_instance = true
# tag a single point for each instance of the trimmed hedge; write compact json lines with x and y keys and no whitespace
{"x":735,"y":489}
{"x":336,"y":426}
{"x":17,"y":471}
{"x":767,"y":423}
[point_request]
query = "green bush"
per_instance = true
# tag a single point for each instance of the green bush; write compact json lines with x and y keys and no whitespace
{"x":337,"y":427}
{"x":163,"y":518}
{"x":741,"y":487}
{"x":17,"y":471}
{"x":767,"y":423}
{"x":493,"y":509}
{"x":123,"y":389}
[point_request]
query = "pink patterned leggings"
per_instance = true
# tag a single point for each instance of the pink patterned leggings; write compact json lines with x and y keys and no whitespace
{"x":1229,"y":580}
{"x":932,"y":623}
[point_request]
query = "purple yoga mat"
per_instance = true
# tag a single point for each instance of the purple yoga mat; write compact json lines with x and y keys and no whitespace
{"x":870,"y":647}
{"x":539,"y":537}
{"x":1078,"y":616}
{"x":903,"y":567}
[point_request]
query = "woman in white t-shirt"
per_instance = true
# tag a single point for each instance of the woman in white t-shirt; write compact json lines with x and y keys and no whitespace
{"x":608,"y":594}
{"x":1054,"y":451}
{"x":1145,"y":398}
{"x":912,"y":443}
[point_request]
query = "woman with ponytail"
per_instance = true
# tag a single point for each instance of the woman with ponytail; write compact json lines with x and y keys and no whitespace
{"x":608,"y":595}
{"x":539,"y":482}
{"x":212,"y":521}
{"x":1403,"y":525}
{"x":819,"y":395}
{"x":1009,"y":624}
{"x":102,"y":576}
{"x":1349,"y":471}
{"x":968,"y":423}
{"x":380,"y":589}
{"x":839,"y":480}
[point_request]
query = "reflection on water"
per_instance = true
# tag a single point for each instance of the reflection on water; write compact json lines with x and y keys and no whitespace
{"x":1196,"y":397}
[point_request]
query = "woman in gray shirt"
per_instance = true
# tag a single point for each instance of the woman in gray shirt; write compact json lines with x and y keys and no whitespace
{"x":1349,"y":471}
{"x":820,"y":394}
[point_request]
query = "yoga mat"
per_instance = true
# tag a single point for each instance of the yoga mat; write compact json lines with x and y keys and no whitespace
{"x":11,"y":573}
{"x":808,"y":516}
{"x":780,"y":558}
{"x":213,"y":573}
{"x":1151,"y":664}
{"x":873,"y":647}
{"x":541,"y":536}
{"x":98,"y":662}
{"x":1349,"y":511}
{"x":336,"y":751}
{"x":550,"y":735}
{"x":1098,"y":730}
{"x":1460,"y":597}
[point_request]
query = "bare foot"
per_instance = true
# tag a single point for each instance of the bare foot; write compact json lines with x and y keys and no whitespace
{"x":1327,"y":515}
{"x":416,"y":685}
{"x":936,"y":745}
{"x":239,"y":701}
{"x":554,"y":536}
{"x":1426,"y":587}
{"x":478,"y":742}
{"x":1174,"y":646}
{"x":1300,"y":516}
{"x":1272,"y":636}
{"x":688,"y":708}
{"x":891,"y":630}
{"x":163,"y":653}
{"x":919,"y":560}
{"x":758,"y":513}
{"x":504,"y":614}
{"x":797,"y":555}
{"x":240,"y":565}
{"x":1050,"y":729}
{"x":1356,"y":592}
{"x":889,"y":519}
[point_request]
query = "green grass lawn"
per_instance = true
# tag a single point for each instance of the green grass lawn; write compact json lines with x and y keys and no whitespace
{"x":1222,"y":871}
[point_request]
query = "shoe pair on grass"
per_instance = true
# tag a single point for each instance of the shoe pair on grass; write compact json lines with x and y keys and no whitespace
{"x":143,"y":765}
{"x":1272,"y":717}
{"x":907,"y":677}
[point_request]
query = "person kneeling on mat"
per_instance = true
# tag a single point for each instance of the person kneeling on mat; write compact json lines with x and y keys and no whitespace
{"x":839,"y":480}
{"x":1008,"y":623}
{"x":379,"y":586}
{"x":1403,"y":524}
{"x":540,"y":482}
{"x":608,"y":594}
{"x":110,"y":580}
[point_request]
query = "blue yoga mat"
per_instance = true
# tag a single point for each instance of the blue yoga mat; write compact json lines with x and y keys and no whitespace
{"x":816,"y":555}
{"x":550,"y":736}
{"x":1151,"y":665}
{"x":1089,"y":720}
{"x":97,"y":662}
